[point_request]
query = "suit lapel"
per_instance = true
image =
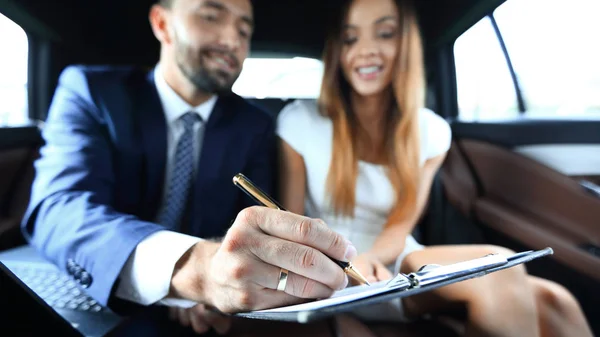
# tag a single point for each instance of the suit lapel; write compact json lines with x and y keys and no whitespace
{"x":153,"y":135}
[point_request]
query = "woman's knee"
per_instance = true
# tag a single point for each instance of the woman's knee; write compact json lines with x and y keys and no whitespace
{"x":512,"y":279}
{"x":508,"y":282}
{"x":514,"y":276}
{"x":447,"y":254}
{"x":555,"y":297}
{"x":504,"y":291}
{"x":505,"y":303}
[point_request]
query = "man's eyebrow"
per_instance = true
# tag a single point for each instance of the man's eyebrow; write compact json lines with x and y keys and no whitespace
{"x":221,"y":7}
{"x":248,"y":20}
{"x":215,"y":5}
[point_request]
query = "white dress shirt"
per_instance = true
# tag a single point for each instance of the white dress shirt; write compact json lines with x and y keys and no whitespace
{"x":146,"y":276}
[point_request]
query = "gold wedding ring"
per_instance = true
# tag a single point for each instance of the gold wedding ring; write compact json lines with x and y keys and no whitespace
{"x":283,"y":276}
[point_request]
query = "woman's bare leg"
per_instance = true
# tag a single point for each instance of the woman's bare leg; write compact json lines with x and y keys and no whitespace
{"x":498,"y":304}
{"x":559,"y":312}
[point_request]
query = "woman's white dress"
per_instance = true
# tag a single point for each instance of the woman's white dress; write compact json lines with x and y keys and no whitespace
{"x":311,"y":135}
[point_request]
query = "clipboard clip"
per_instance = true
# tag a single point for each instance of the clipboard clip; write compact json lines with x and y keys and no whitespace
{"x":435,"y":273}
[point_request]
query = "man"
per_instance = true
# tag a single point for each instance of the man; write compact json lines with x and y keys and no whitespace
{"x":133,"y":187}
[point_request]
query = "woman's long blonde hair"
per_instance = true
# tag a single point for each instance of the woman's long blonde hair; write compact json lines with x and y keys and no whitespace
{"x":402,"y":132}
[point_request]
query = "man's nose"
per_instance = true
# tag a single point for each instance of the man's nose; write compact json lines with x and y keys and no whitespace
{"x":229,"y":36}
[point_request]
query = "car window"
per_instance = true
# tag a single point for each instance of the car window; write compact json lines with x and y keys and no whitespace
{"x":484,"y":85}
{"x":13,"y":70}
{"x":555,"y":61}
{"x":283,"y":78}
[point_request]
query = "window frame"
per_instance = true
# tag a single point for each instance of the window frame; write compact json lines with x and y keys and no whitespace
{"x":522,"y":108}
{"x":28,"y":85}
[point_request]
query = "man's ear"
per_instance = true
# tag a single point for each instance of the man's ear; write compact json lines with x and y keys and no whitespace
{"x":159,"y":18}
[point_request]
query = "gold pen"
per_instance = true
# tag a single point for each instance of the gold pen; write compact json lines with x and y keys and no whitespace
{"x":262,"y":198}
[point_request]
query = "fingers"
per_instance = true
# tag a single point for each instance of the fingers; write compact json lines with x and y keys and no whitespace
{"x":173,"y":313}
{"x":184,"y":317}
{"x":246,"y":266}
{"x":300,"y":260}
{"x":300,"y":229}
{"x":365,"y":269}
{"x":273,"y":298}
{"x":242,"y":300}
{"x":201,"y":319}
{"x":382,"y":273}
{"x":265,"y":275}
{"x":198,"y":322}
{"x":213,"y":318}
{"x":296,"y":285}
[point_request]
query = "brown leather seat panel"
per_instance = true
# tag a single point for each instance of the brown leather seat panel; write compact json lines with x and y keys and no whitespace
{"x":456,"y":176}
{"x":534,"y":233}
{"x":16,"y":176}
{"x":529,"y":202}
{"x":526,"y":186}
{"x":11,"y":161}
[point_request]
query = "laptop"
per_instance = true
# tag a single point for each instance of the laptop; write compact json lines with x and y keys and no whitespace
{"x":37,"y":297}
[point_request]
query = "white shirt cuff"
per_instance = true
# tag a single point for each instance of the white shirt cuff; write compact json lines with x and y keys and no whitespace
{"x":146,"y":277}
{"x":177,"y":302}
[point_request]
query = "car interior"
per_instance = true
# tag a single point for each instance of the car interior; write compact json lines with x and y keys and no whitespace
{"x":523,"y":170}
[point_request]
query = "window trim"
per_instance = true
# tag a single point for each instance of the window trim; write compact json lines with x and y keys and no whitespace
{"x":518,"y":92}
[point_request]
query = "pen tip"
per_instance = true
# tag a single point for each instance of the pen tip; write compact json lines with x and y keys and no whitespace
{"x":356,"y":275}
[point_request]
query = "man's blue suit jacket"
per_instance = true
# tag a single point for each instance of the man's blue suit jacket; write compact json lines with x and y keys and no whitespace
{"x":99,"y":181}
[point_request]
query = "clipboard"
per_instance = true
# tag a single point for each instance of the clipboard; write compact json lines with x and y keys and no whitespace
{"x":427,"y":278}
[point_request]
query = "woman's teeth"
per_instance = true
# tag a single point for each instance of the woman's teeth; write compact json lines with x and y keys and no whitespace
{"x":368,"y":70}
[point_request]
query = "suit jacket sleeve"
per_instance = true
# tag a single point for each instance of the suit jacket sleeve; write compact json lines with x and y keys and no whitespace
{"x":71,"y":218}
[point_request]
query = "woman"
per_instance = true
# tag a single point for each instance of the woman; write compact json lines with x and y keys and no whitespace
{"x":362,"y":158}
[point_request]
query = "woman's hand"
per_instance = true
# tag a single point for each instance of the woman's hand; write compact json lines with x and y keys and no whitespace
{"x":371,"y":268}
{"x":201,"y":319}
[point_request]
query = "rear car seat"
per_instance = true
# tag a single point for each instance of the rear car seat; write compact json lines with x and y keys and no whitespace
{"x":19,"y":148}
{"x":272,"y":105}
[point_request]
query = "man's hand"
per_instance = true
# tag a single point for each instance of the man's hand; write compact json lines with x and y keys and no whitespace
{"x":371,"y":268}
{"x":242,"y":272}
{"x":201,"y":319}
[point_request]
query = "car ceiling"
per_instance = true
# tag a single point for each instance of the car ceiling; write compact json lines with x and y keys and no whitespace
{"x":118,"y":31}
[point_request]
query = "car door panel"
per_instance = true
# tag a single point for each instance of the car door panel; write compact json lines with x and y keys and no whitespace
{"x":513,"y":133}
{"x":578,"y":161}
{"x":532,"y":232}
{"x":527,"y":200}
{"x":521,"y":203}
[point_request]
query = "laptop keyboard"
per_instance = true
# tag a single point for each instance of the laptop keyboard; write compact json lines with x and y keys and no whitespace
{"x":57,"y":289}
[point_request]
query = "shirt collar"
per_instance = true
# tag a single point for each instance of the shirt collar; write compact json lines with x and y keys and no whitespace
{"x":174,"y":106}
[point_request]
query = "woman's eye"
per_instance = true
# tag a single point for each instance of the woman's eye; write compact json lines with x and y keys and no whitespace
{"x":349,"y":40}
{"x":387,"y":34}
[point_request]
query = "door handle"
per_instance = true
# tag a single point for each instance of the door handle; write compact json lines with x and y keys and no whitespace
{"x":590,"y":187}
{"x":591,"y":249}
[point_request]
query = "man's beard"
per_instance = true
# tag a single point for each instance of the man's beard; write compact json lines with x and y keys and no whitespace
{"x":192,"y":65}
